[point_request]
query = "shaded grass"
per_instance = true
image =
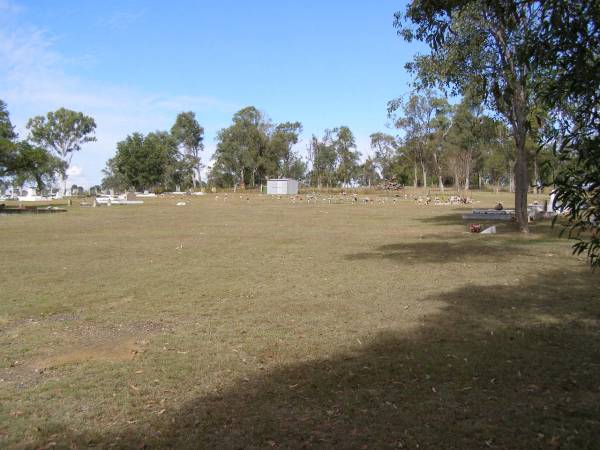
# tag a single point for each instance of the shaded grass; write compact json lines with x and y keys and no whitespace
{"x":264,"y":323}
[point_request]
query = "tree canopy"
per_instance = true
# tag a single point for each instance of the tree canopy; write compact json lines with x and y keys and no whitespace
{"x":63,"y":131}
{"x":147,"y":162}
{"x":189,"y":135}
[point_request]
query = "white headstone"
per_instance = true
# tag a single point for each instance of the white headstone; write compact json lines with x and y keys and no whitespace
{"x":550,"y":207}
{"x":490,"y":230}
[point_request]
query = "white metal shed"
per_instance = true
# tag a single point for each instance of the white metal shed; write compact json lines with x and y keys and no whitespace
{"x":282,"y":186}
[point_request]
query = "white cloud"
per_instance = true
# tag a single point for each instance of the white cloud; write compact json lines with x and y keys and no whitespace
{"x":34,"y":80}
{"x":74,"y":171}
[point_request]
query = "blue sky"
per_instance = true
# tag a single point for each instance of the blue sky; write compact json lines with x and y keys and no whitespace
{"x":133,"y":65}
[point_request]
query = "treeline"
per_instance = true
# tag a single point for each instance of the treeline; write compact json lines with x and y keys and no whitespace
{"x":253,"y":149}
{"x":45,"y":154}
{"x":458,"y":145}
{"x":438,"y":145}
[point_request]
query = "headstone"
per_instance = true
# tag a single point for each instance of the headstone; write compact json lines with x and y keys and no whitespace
{"x":550,"y":205}
{"x":489,"y":230}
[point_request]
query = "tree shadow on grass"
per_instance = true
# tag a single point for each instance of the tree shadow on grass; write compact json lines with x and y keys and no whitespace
{"x":496,"y":367}
{"x":434,"y":250}
{"x":452,"y":217}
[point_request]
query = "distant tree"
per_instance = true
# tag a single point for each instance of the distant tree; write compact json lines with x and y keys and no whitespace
{"x":323,"y":157}
{"x":146,"y":162}
{"x":62,"y":131}
{"x":368,"y":172}
{"x":36,"y":164}
{"x":471,"y":132}
{"x":347,"y":156}
{"x":297,"y":168}
{"x":7,"y":142}
{"x":386,"y":148}
{"x":7,"y":130}
{"x":284,"y":137}
{"x":114,"y":179}
{"x":190,"y":135}
{"x":440,"y":126}
{"x":243,"y":148}
{"x":499,"y":157}
{"x":418,"y":119}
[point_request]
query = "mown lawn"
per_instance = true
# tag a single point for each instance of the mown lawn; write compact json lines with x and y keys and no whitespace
{"x":267,"y":324}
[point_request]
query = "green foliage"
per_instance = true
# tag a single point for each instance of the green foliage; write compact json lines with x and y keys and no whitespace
{"x":323,"y":156}
{"x":22,"y":161}
{"x":286,"y":163}
{"x":422,"y":117}
{"x":36,"y":164}
{"x":189,"y":135}
{"x":568,"y":47}
{"x":7,"y":130}
{"x":62,"y":131}
{"x":386,"y":150}
{"x":113,"y":178}
{"x":368,"y":172}
{"x":347,"y":156}
{"x":470,"y":134}
{"x":7,"y":138}
{"x":145,"y":162}
{"x":578,"y":194}
{"x":252,"y":150}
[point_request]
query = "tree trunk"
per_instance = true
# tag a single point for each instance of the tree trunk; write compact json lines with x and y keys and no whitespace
{"x":536,"y":175}
{"x":521,"y":180}
{"x":198,"y":174}
{"x":439,"y":172}
{"x":242,"y":183}
{"x":416,"y":178}
{"x":424,"y":174}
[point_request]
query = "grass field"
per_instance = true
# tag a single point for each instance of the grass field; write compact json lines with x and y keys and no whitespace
{"x":266,"y":324}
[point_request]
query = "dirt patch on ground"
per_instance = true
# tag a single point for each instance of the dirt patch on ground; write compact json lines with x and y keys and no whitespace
{"x":117,"y":350}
